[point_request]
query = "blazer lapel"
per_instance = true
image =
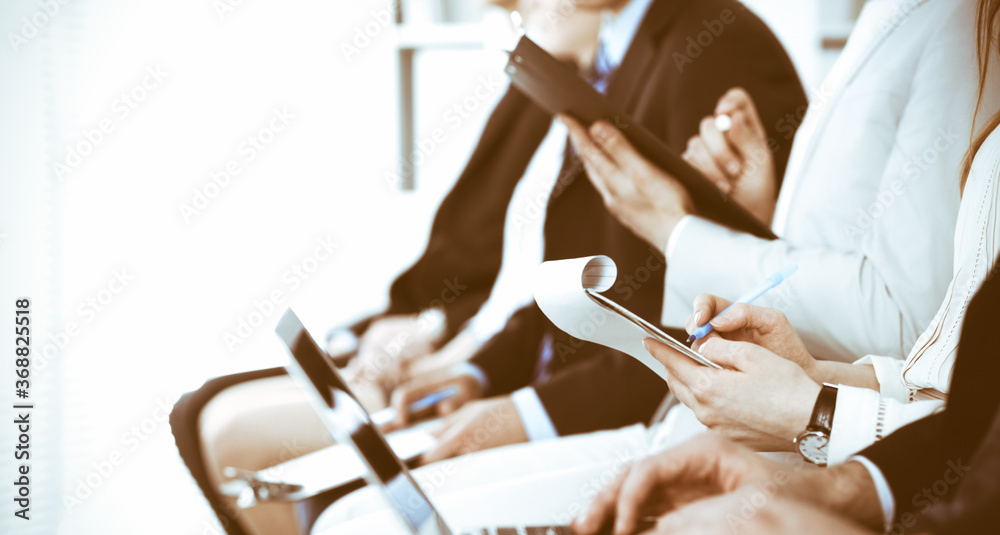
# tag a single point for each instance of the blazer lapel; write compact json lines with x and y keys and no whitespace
{"x":627,"y":81}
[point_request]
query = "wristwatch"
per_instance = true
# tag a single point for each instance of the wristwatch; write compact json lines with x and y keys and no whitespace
{"x":813,"y":442}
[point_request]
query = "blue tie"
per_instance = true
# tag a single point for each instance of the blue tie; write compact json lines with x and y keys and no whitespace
{"x":601,"y":71}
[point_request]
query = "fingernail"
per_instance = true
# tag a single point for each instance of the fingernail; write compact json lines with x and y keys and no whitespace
{"x":645,"y":344}
{"x":733,"y":168}
{"x":692,"y":322}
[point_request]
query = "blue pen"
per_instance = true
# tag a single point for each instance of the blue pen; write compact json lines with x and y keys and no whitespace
{"x":433,"y":398}
{"x":750,"y":297}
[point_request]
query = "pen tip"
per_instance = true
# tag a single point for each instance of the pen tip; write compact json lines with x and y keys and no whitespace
{"x":690,"y":338}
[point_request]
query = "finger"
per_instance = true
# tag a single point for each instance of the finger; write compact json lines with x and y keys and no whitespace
{"x":450,"y":439}
{"x":740,"y":356}
{"x":698,"y":155}
{"x":581,"y":139}
{"x":407,"y":394}
{"x":749,"y":140}
{"x":635,"y":492}
{"x":613,"y":142}
{"x":734,"y":100}
{"x":706,"y":307}
{"x":684,"y":373}
{"x":747,"y":316}
{"x":719,"y":148}
{"x":599,"y":512}
{"x":701,"y":341}
{"x":601,"y":169}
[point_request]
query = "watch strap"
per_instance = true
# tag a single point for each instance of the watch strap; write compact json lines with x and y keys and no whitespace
{"x":826,"y":404}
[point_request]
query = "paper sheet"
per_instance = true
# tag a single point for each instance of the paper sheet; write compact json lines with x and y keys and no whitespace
{"x":567,"y":291}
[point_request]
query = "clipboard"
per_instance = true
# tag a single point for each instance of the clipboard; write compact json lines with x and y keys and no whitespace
{"x":558,"y":89}
{"x":650,"y":329}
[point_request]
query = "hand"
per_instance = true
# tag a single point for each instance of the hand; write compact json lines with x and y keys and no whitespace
{"x":468,"y":388}
{"x":642,"y":196}
{"x":479,"y":425}
{"x":389,"y":346}
{"x":759,"y":399}
{"x":740,"y":513}
{"x":705,"y":466}
{"x":739,"y":161}
{"x":765,"y":327}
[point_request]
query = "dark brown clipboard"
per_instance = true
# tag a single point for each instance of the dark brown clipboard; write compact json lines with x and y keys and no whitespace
{"x":557,"y":89}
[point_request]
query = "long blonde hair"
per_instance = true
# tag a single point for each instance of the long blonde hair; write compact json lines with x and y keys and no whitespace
{"x":986,"y":40}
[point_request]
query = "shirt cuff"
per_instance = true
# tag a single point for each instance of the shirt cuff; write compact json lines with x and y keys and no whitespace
{"x":467,"y":368}
{"x":857,"y":420}
{"x":885,"y":497}
{"x":537,"y":424}
{"x":889,"y":374}
{"x":675,"y":235}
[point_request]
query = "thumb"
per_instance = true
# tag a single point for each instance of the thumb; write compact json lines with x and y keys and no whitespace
{"x":728,"y":354}
{"x":747,"y":316}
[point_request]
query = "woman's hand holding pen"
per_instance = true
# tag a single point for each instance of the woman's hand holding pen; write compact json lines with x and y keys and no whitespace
{"x":765,"y":327}
{"x":642,"y":196}
{"x":770,"y":329}
{"x":758,"y":399}
{"x":735,"y":153}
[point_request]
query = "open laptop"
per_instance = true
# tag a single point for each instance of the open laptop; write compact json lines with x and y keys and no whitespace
{"x":349,"y":423}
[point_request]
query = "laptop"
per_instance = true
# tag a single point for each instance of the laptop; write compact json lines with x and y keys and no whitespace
{"x":349,"y":423}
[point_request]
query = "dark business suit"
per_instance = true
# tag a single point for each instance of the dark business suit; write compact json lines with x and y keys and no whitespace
{"x":922,"y":460}
{"x":668,"y":83}
{"x":460,"y":264}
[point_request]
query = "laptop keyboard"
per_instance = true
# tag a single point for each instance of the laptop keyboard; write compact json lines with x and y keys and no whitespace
{"x":530,"y":530}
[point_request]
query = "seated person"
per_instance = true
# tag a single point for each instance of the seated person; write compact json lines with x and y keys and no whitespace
{"x":773,"y":408}
{"x":936,"y":476}
{"x":749,"y":55}
{"x":856,"y":292}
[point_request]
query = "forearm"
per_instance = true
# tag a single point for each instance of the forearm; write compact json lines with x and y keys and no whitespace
{"x":845,"y":490}
{"x":838,"y":301}
{"x":841,"y":373}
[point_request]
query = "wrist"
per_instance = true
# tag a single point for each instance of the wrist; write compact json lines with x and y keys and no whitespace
{"x":848,"y":490}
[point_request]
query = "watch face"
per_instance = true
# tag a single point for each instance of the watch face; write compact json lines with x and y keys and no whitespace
{"x":813,"y":446}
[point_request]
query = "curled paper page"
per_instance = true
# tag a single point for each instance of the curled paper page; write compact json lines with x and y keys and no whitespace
{"x":567,"y":292}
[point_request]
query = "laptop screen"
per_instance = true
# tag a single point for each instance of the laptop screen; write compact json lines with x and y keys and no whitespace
{"x":349,"y":423}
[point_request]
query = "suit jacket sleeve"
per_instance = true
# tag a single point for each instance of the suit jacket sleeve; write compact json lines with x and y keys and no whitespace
{"x":510,"y":359}
{"x":606,"y":391}
{"x":914,"y":458}
{"x":457,"y":270}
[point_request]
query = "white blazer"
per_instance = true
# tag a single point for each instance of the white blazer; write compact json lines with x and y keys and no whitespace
{"x":915,"y":388}
{"x":871,"y":195}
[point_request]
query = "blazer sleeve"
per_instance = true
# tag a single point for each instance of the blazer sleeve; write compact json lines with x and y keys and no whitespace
{"x":914,"y":458}
{"x":606,"y":391}
{"x":872,"y":300}
{"x":509,"y":359}
{"x":460,"y":264}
